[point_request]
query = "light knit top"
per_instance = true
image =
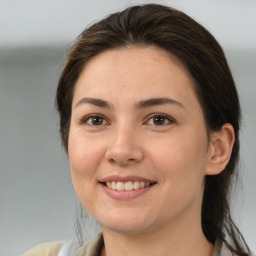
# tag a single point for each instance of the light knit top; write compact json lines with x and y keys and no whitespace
{"x":92,"y":248}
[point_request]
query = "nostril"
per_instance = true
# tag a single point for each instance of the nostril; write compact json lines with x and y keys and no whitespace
{"x":112,"y":161}
{"x":123,"y":155}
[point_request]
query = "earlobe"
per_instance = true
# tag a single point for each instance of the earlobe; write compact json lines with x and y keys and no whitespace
{"x":220,"y":149}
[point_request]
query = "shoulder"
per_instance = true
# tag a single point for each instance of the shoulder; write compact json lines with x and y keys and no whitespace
{"x":91,"y":248}
{"x":46,"y":249}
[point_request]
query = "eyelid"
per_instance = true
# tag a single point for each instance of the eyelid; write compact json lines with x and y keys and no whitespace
{"x":84,"y":120}
{"x":169,"y":118}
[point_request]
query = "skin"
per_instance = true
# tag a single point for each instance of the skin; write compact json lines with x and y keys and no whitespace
{"x":176,"y":152}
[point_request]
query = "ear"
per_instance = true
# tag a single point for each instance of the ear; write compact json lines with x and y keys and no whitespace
{"x":220,"y":148}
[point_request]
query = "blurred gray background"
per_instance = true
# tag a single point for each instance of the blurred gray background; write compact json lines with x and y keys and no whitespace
{"x":37,"y":201}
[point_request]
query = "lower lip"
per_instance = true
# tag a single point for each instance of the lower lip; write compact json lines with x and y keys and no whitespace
{"x":124,"y":194}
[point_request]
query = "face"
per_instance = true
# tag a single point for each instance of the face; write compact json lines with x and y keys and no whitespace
{"x":137,"y":142}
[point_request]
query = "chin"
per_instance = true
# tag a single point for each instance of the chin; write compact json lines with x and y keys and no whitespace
{"x":125,"y":228}
{"x":125,"y":223}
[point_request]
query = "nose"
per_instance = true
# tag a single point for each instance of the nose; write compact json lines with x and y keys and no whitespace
{"x":124,"y":147}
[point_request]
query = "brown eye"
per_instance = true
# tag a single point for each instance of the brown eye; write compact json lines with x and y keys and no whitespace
{"x":160,"y":120}
{"x":95,"y":121}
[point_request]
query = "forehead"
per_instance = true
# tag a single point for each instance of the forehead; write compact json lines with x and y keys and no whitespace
{"x":135,"y":72}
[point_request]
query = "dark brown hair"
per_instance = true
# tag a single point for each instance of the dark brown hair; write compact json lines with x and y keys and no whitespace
{"x":200,"y":53}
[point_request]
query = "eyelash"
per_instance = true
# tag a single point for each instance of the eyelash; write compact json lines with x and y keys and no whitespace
{"x":87,"y":118}
{"x":157,"y":115}
{"x":165,"y":117}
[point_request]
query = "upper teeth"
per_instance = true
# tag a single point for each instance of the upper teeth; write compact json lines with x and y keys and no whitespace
{"x":129,"y":185}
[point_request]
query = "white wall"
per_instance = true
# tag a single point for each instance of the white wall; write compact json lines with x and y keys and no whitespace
{"x":37,"y":202}
{"x":30,"y":22}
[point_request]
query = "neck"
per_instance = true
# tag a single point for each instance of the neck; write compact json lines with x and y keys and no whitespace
{"x":179,"y":239}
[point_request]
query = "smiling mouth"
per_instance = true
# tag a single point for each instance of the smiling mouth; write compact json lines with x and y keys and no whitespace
{"x":128,"y":185}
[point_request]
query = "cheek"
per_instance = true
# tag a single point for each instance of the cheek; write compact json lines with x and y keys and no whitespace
{"x":181,"y":159}
{"x":85,"y":156}
{"x":181,"y":165}
{"x":83,"y":152}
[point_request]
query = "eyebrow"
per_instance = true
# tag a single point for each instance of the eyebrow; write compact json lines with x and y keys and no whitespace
{"x":157,"y":101}
{"x":93,"y":101}
{"x":139,"y":105}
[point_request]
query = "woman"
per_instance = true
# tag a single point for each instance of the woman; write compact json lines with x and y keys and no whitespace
{"x":149,"y":117}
